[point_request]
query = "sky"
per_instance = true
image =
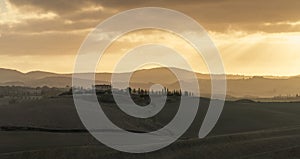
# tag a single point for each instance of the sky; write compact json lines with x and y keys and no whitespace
{"x":253,"y":37}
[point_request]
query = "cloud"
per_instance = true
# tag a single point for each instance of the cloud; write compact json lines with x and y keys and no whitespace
{"x":216,"y":15}
{"x":63,"y":43}
{"x":58,"y":6}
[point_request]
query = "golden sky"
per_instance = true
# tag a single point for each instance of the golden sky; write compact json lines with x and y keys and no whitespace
{"x":254,"y":37}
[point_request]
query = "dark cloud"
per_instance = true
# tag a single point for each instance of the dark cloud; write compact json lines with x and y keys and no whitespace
{"x":59,"y":6}
{"x":216,"y":15}
{"x":34,"y":36}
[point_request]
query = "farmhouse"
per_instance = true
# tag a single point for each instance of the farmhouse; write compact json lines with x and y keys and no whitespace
{"x":103,"y":88}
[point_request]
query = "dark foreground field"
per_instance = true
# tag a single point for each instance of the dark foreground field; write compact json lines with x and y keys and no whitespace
{"x":50,"y":129}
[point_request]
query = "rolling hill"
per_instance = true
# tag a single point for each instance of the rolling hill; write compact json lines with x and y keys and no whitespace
{"x":238,"y":86}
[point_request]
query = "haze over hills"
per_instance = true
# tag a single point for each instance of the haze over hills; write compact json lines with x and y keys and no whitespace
{"x":10,"y":76}
{"x":237,"y":85}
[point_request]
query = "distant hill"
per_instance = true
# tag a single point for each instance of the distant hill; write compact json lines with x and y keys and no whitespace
{"x":158,"y":75}
{"x":238,"y":86}
{"x":41,"y":74}
{"x":8,"y":75}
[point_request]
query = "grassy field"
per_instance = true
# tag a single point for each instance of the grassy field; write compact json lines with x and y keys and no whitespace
{"x":245,"y":130}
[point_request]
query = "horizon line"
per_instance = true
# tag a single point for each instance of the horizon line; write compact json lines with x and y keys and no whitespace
{"x":108,"y":72}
